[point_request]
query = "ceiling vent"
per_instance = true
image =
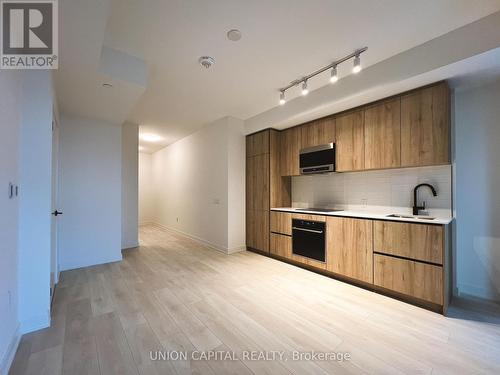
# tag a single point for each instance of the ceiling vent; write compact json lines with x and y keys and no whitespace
{"x":206,"y":61}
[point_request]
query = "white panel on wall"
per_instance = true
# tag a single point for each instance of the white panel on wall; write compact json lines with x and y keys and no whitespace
{"x":381,"y":189}
{"x":145,"y":189}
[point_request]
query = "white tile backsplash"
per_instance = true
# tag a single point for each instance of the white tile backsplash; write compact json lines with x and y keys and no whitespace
{"x":382,"y":189}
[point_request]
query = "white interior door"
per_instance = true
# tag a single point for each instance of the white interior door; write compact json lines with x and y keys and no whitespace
{"x":54,"y":264}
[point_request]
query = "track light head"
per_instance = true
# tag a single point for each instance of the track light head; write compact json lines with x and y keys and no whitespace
{"x":334,"y":76}
{"x":357,"y":64}
{"x":305,"y":90}
{"x":282,"y":98}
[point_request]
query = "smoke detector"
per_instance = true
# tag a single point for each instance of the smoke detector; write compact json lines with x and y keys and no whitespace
{"x":234,"y":35}
{"x":206,"y":61}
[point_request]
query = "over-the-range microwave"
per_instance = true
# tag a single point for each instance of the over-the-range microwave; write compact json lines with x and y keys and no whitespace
{"x":317,"y":159}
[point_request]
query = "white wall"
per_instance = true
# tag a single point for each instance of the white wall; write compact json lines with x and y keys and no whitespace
{"x":387,"y":190}
{"x":130,"y":211}
{"x":192,"y":181}
{"x":145,"y":189}
{"x":91,"y":185}
{"x":477,"y":189}
{"x":35,"y":199}
{"x":10,"y":123}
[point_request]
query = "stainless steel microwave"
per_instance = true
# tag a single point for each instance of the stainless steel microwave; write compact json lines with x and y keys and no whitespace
{"x":317,"y":159}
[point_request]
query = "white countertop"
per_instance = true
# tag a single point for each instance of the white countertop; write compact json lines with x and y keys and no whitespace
{"x":367,"y":214}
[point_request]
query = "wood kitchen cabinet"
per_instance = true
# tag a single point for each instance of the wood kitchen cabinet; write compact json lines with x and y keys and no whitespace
{"x":349,"y":247}
{"x":318,"y":132}
{"x":281,"y":245}
{"x":257,"y":143}
{"x":415,"y":279}
{"x":425,"y":126}
{"x":264,"y":186}
{"x":350,"y":142}
{"x":382,"y":134}
{"x":413,"y":241}
{"x":290,"y":144}
{"x":281,"y":222}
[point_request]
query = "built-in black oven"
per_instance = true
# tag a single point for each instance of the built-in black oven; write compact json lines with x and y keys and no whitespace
{"x":308,"y":239}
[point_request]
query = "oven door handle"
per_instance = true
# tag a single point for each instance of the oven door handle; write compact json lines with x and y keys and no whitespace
{"x":308,"y":230}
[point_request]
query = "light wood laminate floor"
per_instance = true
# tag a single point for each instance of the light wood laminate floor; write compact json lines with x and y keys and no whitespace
{"x":174,"y":294}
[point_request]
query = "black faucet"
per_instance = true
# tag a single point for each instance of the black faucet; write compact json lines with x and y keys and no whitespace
{"x":417,"y":208}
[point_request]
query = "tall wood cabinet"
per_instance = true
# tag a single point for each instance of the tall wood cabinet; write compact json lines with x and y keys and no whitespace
{"x":265,"y":188}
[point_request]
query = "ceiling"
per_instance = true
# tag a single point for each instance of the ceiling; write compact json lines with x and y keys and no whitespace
{"x":282,"y":40}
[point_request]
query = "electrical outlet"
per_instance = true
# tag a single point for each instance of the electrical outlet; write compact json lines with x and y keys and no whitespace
{"x":216,"y":201}
{"x":364,"y":202}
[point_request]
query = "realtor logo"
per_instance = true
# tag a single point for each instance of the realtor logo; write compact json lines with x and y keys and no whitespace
{"x":29,"y":34}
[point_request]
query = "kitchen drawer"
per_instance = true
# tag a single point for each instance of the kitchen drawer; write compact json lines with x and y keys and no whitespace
{"x":413,"y":241}
{"x":281,"y":222}
{"x":281,"y":245}
{"x":416,"y":279}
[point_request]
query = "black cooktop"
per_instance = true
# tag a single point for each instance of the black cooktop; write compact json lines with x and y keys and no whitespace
{"x":318,"y":209}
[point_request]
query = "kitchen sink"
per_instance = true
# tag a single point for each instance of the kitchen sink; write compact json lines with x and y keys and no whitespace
{"x":411,"y":217}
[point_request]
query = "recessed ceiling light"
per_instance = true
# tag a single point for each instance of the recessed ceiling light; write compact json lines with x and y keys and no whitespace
{"x":148,"y":137}
{"x":234,"y":35}
{"x":107,"y":85}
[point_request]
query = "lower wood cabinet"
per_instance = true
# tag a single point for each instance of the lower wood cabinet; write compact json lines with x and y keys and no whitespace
{"x":281,"y":222}
{"x":416,"y":279}
{"x":349,"y":247}
{"x":257,"y":233}
{"x":414,"y":241}
{"x":281,"y":245}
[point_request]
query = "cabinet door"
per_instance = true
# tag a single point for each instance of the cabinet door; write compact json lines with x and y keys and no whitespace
{"x":258,"y":143}
{"x":349,"y":247}
{"x":318,"y":132}
{"x":257,"y":234}
{"x":415,"y":241}
{"x":258,"y":182}
{"x":280,"y":245}
{"x":290,"y":147}
{"x":420,"y":280}
{"x":425,"y":127}
{"x":281,"y":222}
{"x":349,"y":142}
{"x":383,"y":135}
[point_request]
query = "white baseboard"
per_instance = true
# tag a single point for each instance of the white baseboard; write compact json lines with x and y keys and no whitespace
{"x":222,"y":249}
{"x":130,"y":246}
{"x":8,"y":357}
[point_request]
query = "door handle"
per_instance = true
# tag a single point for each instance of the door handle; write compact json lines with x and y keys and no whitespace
{"x":308,"y":230}
{"x":55,"y":213}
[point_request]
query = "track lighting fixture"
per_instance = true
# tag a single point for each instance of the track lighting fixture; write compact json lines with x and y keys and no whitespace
{"x":305,"y":90}
{"x":282,"y":98}
{"x":357,"y":64}
{"x":333,"y":75}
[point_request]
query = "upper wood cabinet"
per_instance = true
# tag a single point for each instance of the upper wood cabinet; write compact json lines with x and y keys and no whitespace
{"x":414,"y":241}
{"x":290,"y":144}
{"x":383,"y":135}
{"x":425,"y":126}
{"x":317,"y":132}
{"x":258,"y":182}
{"x":349,"y":247}
{"x":258,"y":143}
{"x":280,"y":187}
{"x":350,"y":142}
